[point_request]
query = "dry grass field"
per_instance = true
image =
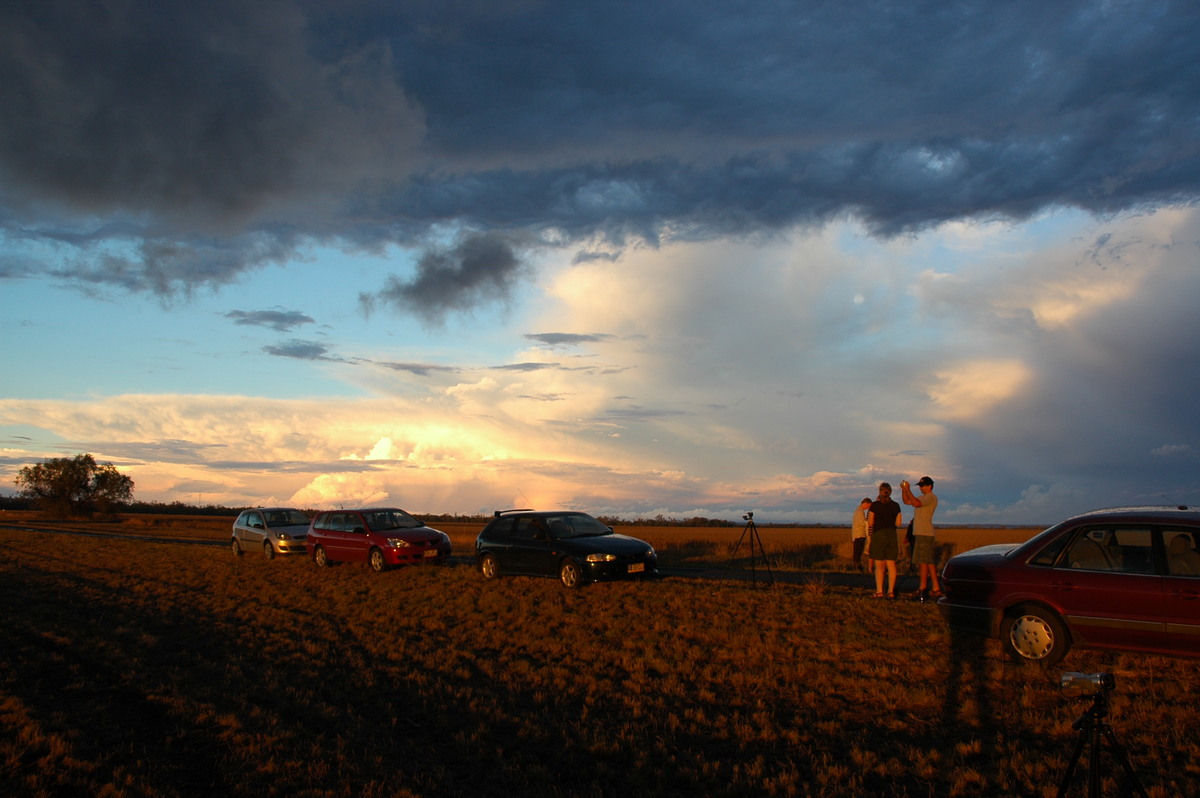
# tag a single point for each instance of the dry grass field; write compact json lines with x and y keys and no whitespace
{"x":142,"y":668}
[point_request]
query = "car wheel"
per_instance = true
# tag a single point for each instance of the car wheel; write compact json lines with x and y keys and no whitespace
{"x":1034,"y":634}
{"x":489,"y":567}
{"x":376,"y":561}
{"x":569,"y":574}
{"x":237,"y":548}
{"x":320,"y":557}
{"x":268,"y":550}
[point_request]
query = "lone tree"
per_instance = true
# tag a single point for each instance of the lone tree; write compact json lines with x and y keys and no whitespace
{"x":75,"y":485}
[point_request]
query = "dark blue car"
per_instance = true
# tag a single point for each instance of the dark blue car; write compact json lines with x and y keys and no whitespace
{"x":574,"y":547}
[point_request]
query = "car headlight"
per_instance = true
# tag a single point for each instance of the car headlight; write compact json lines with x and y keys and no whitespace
{"x":398,"y":543}
{"x":601,"y":557}
{"x":283,"y":536}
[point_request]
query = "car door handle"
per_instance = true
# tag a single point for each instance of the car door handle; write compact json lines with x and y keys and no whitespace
{"x":1066,"y":587}
{"x":1185,"y":595}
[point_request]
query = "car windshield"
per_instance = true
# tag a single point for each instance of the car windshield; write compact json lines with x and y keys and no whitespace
{"x":382,"y":520}
{"x":575,"y":526}
{"x":286,"y":518}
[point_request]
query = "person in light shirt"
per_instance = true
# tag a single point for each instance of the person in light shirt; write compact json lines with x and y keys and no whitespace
{"x":858,"y":532}
{"x":923,"y":550}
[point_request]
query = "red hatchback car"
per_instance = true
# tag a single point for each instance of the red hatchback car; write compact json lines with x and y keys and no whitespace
{"x":1124,"y":579}
{"x":379,"y":537}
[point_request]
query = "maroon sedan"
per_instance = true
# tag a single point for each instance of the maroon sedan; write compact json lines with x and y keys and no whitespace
{"x":1124,"y":579}
{"x":379,"y":537}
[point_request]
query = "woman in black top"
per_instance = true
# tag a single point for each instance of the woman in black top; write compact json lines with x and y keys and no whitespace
{"x":882,"y":521}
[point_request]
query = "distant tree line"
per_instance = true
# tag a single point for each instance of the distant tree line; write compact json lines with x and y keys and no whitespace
{"x":79,"y":486}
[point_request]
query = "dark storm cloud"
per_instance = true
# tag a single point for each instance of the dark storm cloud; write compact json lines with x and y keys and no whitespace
{"x":301,"y":350}
{"x":166,"y":144}
{"x":418,"y":369}
{"x":528,"y":367}
{"x":568,"y":339}
{"x":278,"y":320}
{"x":196,"y":114}
{"x":479,"y":268}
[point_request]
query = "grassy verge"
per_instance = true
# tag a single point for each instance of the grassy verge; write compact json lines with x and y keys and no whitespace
{"x":136,"y":669}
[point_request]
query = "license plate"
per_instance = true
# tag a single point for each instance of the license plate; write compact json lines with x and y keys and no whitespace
{"x":637,"y":567}
{"x":430,"y":552}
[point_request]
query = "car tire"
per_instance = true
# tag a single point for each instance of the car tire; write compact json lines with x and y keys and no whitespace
{"x":268,"y":550}
{"x":570,"y":574}
{"x":320,"y":557}
{"x":489,"y":566}
{"x":1032,"y":633}
{"x":237,"y":548}
{"x":376,"y":562}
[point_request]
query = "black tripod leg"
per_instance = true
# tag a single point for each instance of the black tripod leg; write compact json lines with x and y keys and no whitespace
{"x":735,"y":551}
{"x":763,"y":551}
{"x":1065,"y":784}
{"x":1123,"y":759}
{"x":1094,"y":763}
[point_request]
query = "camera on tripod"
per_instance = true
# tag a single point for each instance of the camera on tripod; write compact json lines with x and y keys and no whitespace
{"x":1083,"y":685}
{"x":748,"y":516}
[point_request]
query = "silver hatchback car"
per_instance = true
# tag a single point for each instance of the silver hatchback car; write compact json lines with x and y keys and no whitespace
{"x":272,"y":530}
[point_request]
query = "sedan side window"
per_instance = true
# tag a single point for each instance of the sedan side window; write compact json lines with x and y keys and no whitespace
{"x":254,"y":521}
{"x":1120,"y":550}
{"x":1182,"y":557}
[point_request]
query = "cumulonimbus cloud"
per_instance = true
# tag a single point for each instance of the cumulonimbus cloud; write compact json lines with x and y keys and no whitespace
{"x":157,"y":148}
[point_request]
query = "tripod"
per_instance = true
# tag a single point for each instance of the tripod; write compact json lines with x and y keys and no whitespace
{"x":750,"y":533}
{"x":1091,"y":725}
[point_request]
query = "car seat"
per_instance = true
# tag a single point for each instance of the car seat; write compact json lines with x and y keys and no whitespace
{"x":1088,"y":555}
{"x":1182,"y":557}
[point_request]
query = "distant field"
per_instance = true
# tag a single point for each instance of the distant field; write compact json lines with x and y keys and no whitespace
{"x":137,"y":668}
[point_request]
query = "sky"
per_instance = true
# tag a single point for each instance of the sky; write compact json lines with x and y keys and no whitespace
{"x":675,"y":258}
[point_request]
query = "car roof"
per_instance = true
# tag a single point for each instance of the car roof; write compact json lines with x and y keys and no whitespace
{"x":1150,"y":512}
{"x":537,"y":513}
{"x":366,"y":510}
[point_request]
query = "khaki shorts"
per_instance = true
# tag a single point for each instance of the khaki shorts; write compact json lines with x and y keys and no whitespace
{"x":922,"y":553}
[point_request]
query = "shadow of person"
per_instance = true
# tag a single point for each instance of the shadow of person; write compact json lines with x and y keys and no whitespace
{"x":967,"y":702}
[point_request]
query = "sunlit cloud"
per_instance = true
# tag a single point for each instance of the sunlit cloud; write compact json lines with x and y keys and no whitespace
{"x":969,"y":391}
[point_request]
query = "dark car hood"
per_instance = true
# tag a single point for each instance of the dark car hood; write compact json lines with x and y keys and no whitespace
{"x":605,"y":544}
